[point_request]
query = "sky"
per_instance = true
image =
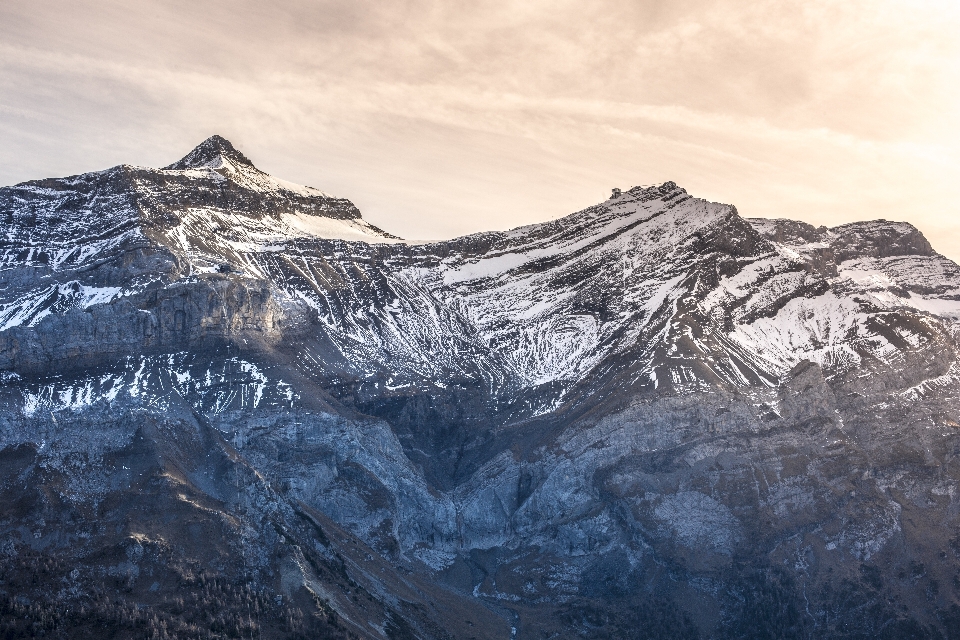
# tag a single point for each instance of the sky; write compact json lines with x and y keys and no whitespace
{"x":445,"y":118}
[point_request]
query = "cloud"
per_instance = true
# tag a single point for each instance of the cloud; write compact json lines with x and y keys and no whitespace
{"x":444,"y":118}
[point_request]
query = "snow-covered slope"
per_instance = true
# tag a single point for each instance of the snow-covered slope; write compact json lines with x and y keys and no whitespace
{"x":653,"y":289}
{"x":216,"y":159}
{"x":891,"y":263}
{"x":650,"y":392}
{"x":198,"y":214}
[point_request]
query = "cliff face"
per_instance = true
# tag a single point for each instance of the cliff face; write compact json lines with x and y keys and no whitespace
{"x":651,"y":418}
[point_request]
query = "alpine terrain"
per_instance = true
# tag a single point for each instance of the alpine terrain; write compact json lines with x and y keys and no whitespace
{"x":231,"y":408}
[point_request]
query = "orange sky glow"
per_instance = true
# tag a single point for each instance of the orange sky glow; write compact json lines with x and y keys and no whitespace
{"x":444,"y":118}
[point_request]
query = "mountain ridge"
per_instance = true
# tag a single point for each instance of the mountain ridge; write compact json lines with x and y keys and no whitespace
{"x":541,"y":426}
{"x":212,"y":151}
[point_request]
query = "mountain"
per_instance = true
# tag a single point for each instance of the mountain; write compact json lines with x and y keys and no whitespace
{"x":232,"y":407}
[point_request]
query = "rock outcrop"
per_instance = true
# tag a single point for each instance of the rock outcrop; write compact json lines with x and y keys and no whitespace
{"x":231,"y":402}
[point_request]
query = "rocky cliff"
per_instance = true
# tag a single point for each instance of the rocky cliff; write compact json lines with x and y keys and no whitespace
{"x":232,"y":407}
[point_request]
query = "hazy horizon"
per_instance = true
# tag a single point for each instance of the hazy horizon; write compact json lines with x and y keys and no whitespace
{"x":441,"y":119}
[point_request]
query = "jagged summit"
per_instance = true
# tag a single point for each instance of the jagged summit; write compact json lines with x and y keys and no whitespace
{"x":663,"y":188}
{"x":211,"y":154}
{"x":223,"y":169}
{"x":874,"y":238}
{"x":219,"y":387}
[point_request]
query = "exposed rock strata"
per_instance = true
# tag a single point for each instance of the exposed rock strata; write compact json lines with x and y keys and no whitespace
{"x":651,"y":418}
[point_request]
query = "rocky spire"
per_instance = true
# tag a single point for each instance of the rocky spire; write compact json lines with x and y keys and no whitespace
{"x":212,"y":152}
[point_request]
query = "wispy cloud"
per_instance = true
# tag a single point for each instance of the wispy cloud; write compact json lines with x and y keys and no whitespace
{"x":444,"y":118}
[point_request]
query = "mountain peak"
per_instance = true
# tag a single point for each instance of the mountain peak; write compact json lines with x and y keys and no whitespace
{"x":212,"y":153}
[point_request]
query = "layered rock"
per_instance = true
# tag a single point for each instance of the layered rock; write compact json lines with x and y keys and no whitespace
{"x":652,"y":416}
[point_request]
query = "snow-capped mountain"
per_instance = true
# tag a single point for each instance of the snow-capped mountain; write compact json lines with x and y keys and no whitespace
{"x":557,"y":418}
